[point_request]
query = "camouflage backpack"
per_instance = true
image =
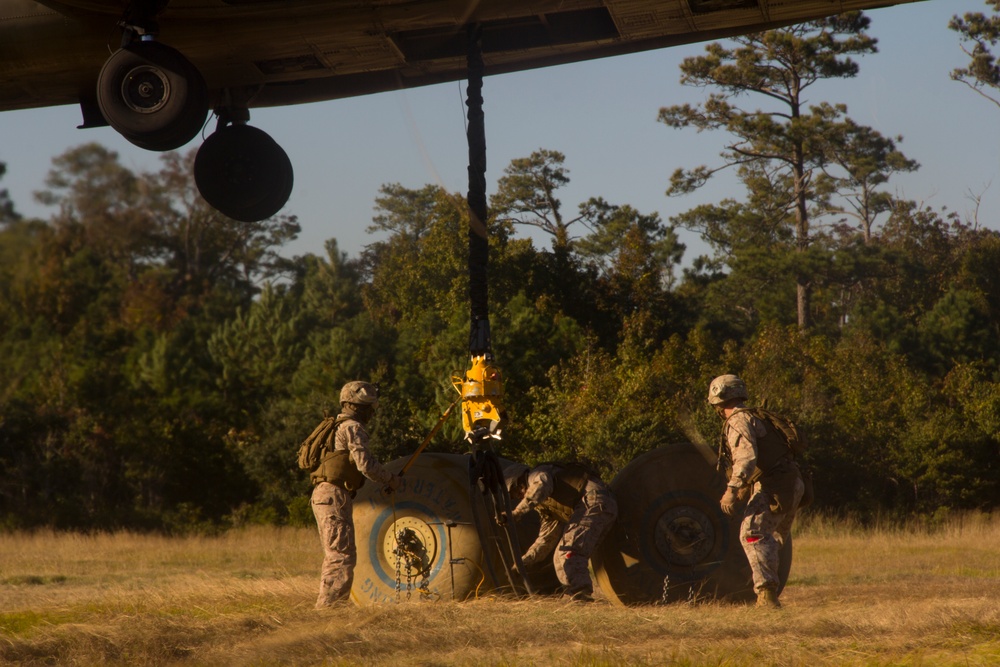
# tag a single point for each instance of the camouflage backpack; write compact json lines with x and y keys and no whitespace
{"x":785,"y":428}
{"x":311,"y":449}
{"x":796,"y":443}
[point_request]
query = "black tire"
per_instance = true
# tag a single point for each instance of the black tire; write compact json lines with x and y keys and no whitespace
{"x":276,"y":194}
{"x":671,"y":541}
{"x":152,"y":95}
{"x":434,"y":504}
{"x":243,"y":173}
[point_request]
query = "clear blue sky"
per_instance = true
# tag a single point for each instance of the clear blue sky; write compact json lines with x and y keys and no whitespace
{"x":601,"y":114}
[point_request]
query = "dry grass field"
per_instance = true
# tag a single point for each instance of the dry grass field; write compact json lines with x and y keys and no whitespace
{"x":905,"y":596}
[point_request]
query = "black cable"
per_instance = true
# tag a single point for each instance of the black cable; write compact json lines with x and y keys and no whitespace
{"x":479,"y":336}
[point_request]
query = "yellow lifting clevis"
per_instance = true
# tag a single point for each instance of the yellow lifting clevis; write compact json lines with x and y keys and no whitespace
{"x":481,"y":389}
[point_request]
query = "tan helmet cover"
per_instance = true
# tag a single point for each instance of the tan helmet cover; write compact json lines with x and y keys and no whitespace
{"x":725,"y":388}
{"x":359,"y":393}
{"x":514,"y":474}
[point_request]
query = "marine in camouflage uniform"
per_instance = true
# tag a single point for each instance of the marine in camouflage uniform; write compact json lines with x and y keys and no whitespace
{"x":344,"y":465}
{"x":576,"y":508}
{"x":764,"y":469}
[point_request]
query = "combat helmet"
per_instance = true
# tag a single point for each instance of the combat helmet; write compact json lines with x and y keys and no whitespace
{"x":515,"y":475}
{"x":725,"y":388}
{"x":359,"y":393}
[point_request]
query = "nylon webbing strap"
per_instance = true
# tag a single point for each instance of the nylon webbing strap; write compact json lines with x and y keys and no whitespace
{"x":479,"y":337}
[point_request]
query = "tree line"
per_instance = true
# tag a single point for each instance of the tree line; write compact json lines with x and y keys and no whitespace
{"x":161,"y":363}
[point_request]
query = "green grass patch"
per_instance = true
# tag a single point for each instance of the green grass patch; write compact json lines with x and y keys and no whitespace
{"x":21,"y":622}
{"x":812,"y":580}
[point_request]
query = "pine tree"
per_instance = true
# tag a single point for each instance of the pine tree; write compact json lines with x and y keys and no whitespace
{"x":779,"y":151}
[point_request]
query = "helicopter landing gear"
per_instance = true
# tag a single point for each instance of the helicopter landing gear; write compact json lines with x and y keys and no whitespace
{"x":152,"y":95}
{"x":242,"y":172}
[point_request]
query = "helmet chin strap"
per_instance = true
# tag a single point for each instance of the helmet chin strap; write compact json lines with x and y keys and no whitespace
{"x":363,"y":413}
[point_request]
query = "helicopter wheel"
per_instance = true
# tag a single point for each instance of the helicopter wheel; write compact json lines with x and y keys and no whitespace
{"x":243,"y":173}
{"x":152,"y":95}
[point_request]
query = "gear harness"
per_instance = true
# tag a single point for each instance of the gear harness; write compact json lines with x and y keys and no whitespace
{"x":568,"y":483}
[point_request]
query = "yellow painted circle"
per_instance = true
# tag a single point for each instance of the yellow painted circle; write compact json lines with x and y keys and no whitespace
{"x":412,"y":542}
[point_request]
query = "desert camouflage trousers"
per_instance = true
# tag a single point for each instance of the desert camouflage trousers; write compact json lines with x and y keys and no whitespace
{"x":333,"y":508}
{"x":592,"y":517}
{"x":762,"y":533}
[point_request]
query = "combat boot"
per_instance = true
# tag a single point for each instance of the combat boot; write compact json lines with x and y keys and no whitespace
{"x":766,"y":597}
{"x":579,"y":596}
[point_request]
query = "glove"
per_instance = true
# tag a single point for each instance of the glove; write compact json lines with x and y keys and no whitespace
{"x":729,"y":500}
{"x":393,"y":484}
